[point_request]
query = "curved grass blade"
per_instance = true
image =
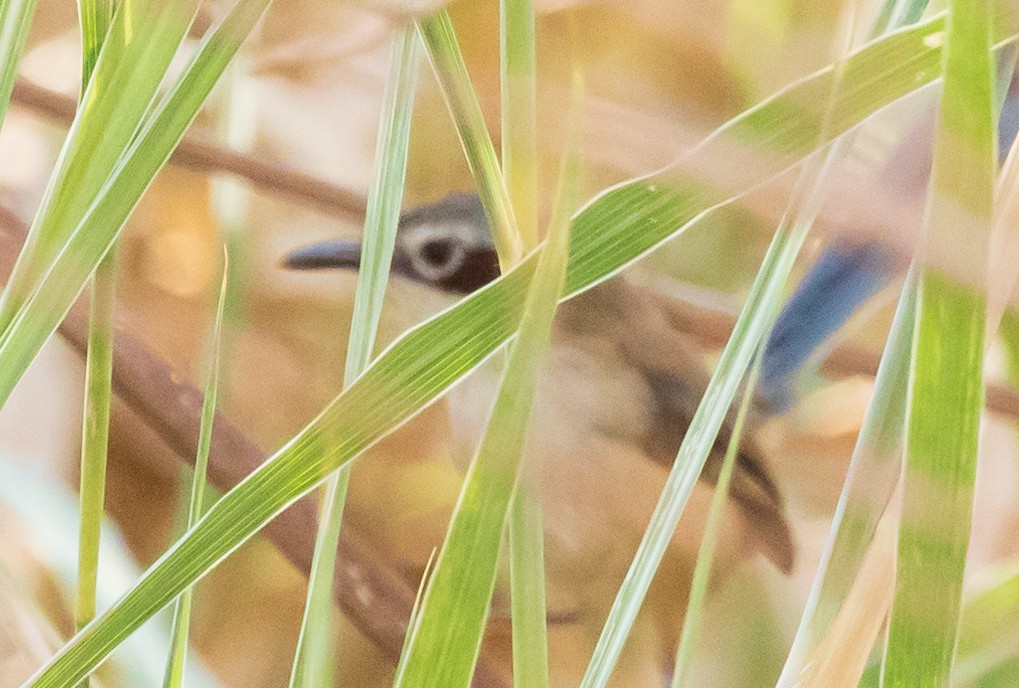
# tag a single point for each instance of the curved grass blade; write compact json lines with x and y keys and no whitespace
{"x":174,"y":676}
{"x":139,"y":46}
{"x":439,"y":38}
{"x":15,"y":20}
{"x":946,"y":389}
{"x":611,"y":232}
{"x":446,"y":639}
{"x":311,"y":664}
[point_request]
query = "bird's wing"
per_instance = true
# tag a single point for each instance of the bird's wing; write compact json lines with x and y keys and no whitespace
{"x":672,"y":364}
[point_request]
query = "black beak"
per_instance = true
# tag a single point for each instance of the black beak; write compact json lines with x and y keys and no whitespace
{"x":324,"y":255}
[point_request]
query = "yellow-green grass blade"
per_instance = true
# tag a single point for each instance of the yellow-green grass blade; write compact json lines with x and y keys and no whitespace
{"x":528,"y":611}
{"x":94,"y":17}
{"x":872,"y":476}
{"x":15,"y":20}
{"x":519,"y":118}
{"x":95,"y":435}
{"x":446,"y":640}
{"x":439,"y":38}
{"x":946,"y":387}
{"x":311,"y":664}
{"x":139,"y":46}
{"x":174,"y":676}
{"x":66,"y":275}
{"x":611,"y":232}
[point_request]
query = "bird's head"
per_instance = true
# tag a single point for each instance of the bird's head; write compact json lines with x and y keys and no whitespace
{"x":445,"y":245}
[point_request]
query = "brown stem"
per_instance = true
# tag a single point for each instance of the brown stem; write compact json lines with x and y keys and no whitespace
{"x":198,"y":153}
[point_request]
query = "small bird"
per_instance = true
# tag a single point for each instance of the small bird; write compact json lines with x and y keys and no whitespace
{"x":618,"y":390}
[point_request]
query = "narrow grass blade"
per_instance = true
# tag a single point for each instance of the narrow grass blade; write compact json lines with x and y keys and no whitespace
{"x":448,"y":63}
{"x":946,"y":390}
{"x":64,"y":278}
{"x":95,"y":19}
{"x":611,"y":232}
{"x":139,"y":46}
{"x":519,"y":118}
{"x":95,"y":435}
{"x":690,"y":634}
{"x":174,"y":677}
{"x":15,"y":20}
{"x":874,"y":471}
{"x":528,"y":615}
{"x":446,"y":640}
{"x":311,"y":664}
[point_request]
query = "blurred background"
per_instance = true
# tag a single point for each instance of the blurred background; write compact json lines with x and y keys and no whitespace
{"x":306,"y":95}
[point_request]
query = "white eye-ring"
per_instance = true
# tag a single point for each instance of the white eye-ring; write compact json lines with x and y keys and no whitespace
{"x":436,"y":252}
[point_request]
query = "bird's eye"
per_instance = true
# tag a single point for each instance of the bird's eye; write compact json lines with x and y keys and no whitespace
{"x":437,"y":252}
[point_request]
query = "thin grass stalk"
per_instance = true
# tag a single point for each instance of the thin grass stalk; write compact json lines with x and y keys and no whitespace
{"x":95,"y":20}
{"x":690,"y":633}
{"x":946,"y":389}
{"x":236,"y":127}
{"x":446,"y":640}
{"x":447,"y":60}
{"x":15,"y":20}
{"x":520,"y":171}
{"x":609,"y":233}
{"x":519,"y":115}
{"x":312,"y":663}
{"x":95,"y":435}
{"x":174,"y":676}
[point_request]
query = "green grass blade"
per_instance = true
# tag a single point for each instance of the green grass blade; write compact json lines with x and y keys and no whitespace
{"x":95,"y":234}
{"x":95,"y":435}
{"x":690,"y":634}
{"x":139,"y":46}
{"x":174,"y":677}
{"x":873,"y":473}
{"x":311,"y":664}
{"x":946,"y":396}
{"x":519,"y":118}
{"x":448,"y":63}
{"x":611,"y":232}
{"x":94,"y":17}
{"x":15,"y":20}
{"x":447,"y":638}
{"x":520,"y":170}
